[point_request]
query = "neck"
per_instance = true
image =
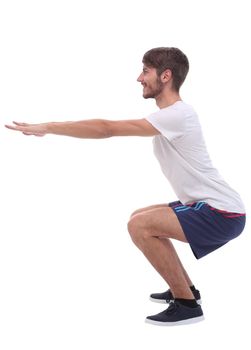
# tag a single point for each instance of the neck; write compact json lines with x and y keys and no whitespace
{"x":167,"y":99}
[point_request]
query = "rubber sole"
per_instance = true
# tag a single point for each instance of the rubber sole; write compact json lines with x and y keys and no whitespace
{"x":178,"y":323}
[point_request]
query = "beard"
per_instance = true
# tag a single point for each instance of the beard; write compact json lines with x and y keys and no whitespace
{"x":154,"y":90}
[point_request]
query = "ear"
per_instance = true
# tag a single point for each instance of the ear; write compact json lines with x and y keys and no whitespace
{"x":166,"y":76}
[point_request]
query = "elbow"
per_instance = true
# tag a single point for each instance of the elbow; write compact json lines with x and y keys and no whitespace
{"x":106,"y":130}
{"x":99,"y":129}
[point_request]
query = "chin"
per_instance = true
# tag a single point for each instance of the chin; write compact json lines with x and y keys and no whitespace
{"x":147,"y":95}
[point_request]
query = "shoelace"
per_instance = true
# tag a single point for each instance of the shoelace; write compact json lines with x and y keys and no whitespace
{"x":172,"y":307}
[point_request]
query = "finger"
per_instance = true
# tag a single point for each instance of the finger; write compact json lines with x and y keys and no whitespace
{"x":32,"y":134}
{"x":20,"y":124}
{"x":16,"y":128}
{"x":11,"y":127}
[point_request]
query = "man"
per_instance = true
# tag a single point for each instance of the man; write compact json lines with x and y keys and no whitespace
{"x":208,"y":213}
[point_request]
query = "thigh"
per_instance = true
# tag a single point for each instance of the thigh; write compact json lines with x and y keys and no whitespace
{"x":161,"y":222}
{"x":151,"y":207}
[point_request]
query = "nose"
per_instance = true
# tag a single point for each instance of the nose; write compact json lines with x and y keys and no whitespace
{"x":140,"y":78}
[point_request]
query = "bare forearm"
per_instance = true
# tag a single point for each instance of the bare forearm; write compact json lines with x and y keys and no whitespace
{"x":89,"y":129}
{"x":93,"y":128}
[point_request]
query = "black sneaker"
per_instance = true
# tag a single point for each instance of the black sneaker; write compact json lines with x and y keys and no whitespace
{"x":167,"y":297}
{"x":177,"y":314}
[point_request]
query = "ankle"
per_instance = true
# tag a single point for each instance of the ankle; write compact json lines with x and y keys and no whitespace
{"x":187,"y":302}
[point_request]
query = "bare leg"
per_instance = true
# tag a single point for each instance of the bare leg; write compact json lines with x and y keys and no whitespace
{"x":142,"y":210}
{"x":166,"y":262}
{"x":190,"y":283}
{"x":146,"y":229}
{"x":159,"y":206}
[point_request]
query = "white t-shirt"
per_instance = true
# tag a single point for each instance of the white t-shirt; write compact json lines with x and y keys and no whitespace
{"x":184,"y":160}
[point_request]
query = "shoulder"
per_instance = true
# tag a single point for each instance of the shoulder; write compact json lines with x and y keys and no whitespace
{"x":176,"y":113}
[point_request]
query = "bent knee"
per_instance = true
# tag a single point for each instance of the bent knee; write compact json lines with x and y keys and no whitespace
{"x":134,"y":224}
{"x":136,"y":228}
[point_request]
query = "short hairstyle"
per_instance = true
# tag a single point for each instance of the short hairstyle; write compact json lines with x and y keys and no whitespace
{"x":163,"y":58}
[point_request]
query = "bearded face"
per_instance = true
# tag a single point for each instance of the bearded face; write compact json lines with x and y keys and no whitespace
{"x":151,"y":82}
{"x":153,"y":89}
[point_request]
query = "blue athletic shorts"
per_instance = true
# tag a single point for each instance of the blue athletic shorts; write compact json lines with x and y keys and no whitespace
{"x":207,"y":228}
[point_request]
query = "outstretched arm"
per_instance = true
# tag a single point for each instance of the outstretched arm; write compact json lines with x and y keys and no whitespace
{"x":93,"y":128}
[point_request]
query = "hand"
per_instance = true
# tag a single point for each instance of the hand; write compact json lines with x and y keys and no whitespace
{"x":29,"y":129}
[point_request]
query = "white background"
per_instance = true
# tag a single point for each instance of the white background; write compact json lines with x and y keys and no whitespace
{"x":70,"y":277}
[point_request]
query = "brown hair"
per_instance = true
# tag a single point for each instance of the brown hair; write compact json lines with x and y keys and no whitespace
{"x":163,"y":58}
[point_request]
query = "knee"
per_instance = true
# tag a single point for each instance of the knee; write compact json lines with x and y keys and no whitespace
{"x":136,"y":228}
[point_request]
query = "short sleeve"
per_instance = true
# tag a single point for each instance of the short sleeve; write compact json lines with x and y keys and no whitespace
{"x":170,"y":122}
